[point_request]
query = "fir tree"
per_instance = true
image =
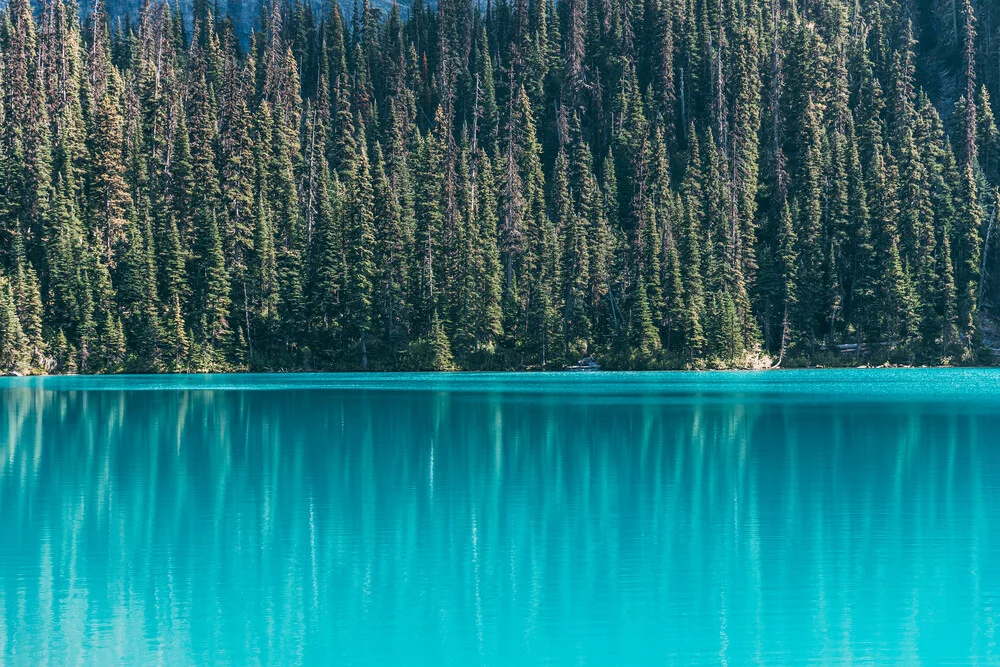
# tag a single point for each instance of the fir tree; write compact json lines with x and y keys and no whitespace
{"x":359,"y":303}
{"x":575,"y":267}
{"x":390,"y":260}
{"x":505,"y":187}
{"x":427,"y":235}
{"x":211,"y":294}
{"x":14,"y":356}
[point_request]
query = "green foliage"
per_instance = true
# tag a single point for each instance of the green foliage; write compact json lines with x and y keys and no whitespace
{"x":675,"y":184}
{"x":14,"y":355}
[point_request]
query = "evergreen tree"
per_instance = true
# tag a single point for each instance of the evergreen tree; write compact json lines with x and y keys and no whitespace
{"x":575,"y":267}
{"x":110,"y":198}
{"x":14,"y":356}
{"x":486,"y":268}
{"x":788,"y":262}
{"x":137,"y":295}
{"x":359,"y":302}
{"x":27,"y":297}
{"x":211,"y":294}
{"x":673,"y":182}
{"x":691,"y":254}
{"x":645,"y":339}
{"x":390,"y":260}
{"x":424,"y":264}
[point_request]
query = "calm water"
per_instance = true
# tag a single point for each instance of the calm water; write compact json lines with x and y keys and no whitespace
{"x":603,"y":519}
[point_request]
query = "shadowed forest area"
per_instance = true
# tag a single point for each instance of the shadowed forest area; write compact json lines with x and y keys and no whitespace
{"x":656,"y":183}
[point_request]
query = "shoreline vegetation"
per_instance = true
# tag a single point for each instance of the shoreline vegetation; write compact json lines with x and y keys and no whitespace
{"x":509,"y":185}
{"x":751,"y":362}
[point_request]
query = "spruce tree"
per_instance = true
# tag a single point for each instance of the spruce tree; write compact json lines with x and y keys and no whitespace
{"x":360,"y":240}
{"x":211,"y":295}
{"x":424,"y":269}
{"x":390,"y":260}
{"x":575,"y":264}
{"x":14,"y":355}
{"x":487,"y":268}
{"x":501,"y":187}
{"x":110,"y":198}
{"x":691,"y":254}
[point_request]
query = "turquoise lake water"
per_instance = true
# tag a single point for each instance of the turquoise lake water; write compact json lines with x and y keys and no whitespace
{"x":823,"y":517}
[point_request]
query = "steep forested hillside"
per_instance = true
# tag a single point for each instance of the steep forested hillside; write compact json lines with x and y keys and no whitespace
{"x":243,"y":15}
{"x":662,"y":183}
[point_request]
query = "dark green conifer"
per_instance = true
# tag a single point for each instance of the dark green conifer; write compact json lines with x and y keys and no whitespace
{"x":359,"y":304}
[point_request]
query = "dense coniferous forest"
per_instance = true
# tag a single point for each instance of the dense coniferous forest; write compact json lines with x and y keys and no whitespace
{"x":659,"y":183}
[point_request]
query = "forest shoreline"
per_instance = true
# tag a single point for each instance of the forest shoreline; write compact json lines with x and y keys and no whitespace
{"x":524,"y":371}
{"x":664,"y":184}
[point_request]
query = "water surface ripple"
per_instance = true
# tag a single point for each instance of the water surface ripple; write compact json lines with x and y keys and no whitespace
{"x":807,"y":517}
